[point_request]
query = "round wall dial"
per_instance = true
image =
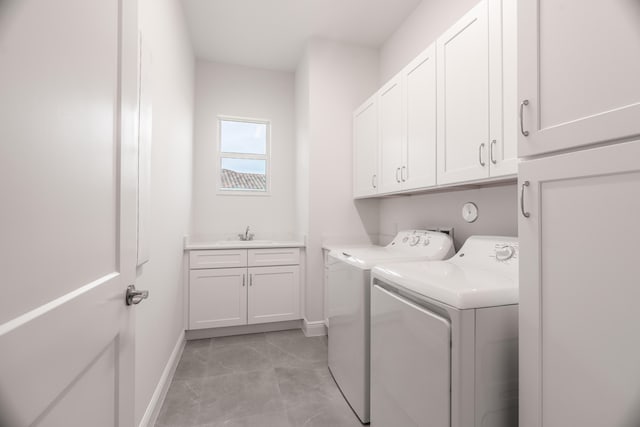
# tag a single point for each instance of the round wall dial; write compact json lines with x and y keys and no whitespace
{"x":470,"y":212}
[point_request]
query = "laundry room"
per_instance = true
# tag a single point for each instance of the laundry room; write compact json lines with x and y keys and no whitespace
{"x":319,"y":213}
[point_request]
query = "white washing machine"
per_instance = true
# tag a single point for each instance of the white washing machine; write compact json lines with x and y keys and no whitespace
{"x":444,"y":339}
{"x":349,"y":292}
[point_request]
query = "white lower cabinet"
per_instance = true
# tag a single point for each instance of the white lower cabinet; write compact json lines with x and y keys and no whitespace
{"x":244,"y":295}
{"x":217,"y":297}
{"x":274,"y":294}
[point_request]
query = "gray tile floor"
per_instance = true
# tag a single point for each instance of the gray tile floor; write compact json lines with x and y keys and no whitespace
{"x":274,"y":379}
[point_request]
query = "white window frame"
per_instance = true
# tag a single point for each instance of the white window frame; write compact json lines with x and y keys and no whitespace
{"x":220,"y":155}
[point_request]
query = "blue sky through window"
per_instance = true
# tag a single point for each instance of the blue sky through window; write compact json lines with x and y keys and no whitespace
{"x":243,"y":137}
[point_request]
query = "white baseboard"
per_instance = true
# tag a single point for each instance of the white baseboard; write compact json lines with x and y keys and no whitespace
{"x":153,"y":409}
{"x":314,"y":329}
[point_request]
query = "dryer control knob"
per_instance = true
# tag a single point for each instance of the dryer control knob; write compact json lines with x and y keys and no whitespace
{"x":414,"y":240}
{"x":504,"y":253}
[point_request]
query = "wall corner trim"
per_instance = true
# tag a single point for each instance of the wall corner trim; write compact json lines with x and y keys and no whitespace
{"x":314,"y":329}
{"x":155,"y":404}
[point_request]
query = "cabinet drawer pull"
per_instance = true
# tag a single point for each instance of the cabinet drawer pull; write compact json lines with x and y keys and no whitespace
{"x":480,"y":148}
{"x":524,"y":214}
{"x":491,"y":146}
{"x":522,"y":104}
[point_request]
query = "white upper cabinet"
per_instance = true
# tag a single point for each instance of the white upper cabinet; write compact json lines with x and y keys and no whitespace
{"x":365,"y":149}
{"x":391,"y":135}
{"x":463,"y":98}
{"x":472,"y":143}
{"x":579,"y":71}
{"x":419,"y":149}
{"x":407,"y":120}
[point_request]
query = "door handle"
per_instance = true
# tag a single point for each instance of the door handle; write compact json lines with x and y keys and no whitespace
{"x":524,"y":213}
{"x":134,"y":296}
{"x":522,"y":104}
{"x":480,"y":155}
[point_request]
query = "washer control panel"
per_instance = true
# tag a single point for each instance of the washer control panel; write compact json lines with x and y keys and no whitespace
{"x":423,"y":241}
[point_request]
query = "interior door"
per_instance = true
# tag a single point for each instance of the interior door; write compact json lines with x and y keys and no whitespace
{"x":68,"y":170}
{"x":578,"y":71}
{"x":419,"y":156}
{"x":463,"y":98}
{"x":391,"y":135}
{"x":579,"y":293}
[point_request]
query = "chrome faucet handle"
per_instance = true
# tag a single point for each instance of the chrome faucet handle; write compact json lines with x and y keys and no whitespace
{"x":250,"y":236}
{"x":242,"y":236}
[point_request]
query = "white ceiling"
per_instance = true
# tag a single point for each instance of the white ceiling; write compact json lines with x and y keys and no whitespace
{"x":272,"y":33}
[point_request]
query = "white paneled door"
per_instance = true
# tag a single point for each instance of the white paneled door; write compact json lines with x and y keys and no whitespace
{"x":463,"y":98}
{"x":365,"y":149}
{"x":68,"y":170}
{"x":579,"y":292}
{"x":578,"y":71}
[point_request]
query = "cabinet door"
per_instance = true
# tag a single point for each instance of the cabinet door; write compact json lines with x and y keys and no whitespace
{"x":419,"y":156}
{"x":365,"y":149}
{"x":391,"y":135}
{"x":503,"y":31}
{"x":463,"y":98}
{"x":578,"y":70}
{"x":579,"y":292}
{"x":217,"y":297}
{"x":274,"y":294}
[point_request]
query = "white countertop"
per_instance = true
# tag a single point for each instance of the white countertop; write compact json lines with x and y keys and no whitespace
{"x":190,"y":245}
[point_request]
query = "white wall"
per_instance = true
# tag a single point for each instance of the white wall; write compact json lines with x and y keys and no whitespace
{"x":333,"y":79}
{"x":159,"y":320}
{"x":230,"y":90}
{"x":497,"y":212}
{"x":430,"y":19}
{"x":497,"y":204}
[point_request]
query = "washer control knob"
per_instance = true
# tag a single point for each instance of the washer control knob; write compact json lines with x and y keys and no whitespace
{"x":505,"y":253}
{"x":425,"y":242}
{"x":414,"y":240}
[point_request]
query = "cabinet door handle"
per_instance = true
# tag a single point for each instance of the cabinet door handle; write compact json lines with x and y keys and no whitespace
{"x":373,"y":181}
{"x":397,"y":172}
{"x":250,"y":279}
{"x":522,"y":104}
{"x":403,"y":175}
{"x":491,"y":146}
{"x":524,"y":214}
{"x":243,"y":279}
{"x":480,"y":148}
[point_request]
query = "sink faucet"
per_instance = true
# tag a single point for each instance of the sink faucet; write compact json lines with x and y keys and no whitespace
{"x":246,"y":235}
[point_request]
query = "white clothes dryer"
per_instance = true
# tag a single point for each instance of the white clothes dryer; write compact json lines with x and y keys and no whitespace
{"x":444,"y":339}
{"x":349,"y":292}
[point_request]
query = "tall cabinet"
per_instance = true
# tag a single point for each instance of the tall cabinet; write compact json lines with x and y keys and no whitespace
{"x":578,"y":224}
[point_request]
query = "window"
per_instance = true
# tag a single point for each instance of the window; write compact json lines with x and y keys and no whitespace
{"x":244,"y":155}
